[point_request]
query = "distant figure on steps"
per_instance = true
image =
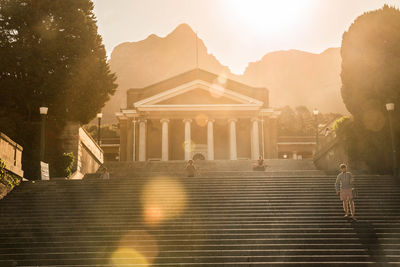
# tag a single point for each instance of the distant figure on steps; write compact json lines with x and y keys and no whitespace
{"x":260,"y":165}
{"x":191,"y":170}
{"x":104,"y":174}
{"x":344,"y":185}
{"x":327,"y":131}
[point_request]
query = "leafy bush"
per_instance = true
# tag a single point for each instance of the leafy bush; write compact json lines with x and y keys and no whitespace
{"x":8,"y":178}
{"x":339,"y":127}
{"x":63,"y":165}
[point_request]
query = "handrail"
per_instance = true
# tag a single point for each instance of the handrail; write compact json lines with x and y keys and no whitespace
{"x":323,"y":150}
{"x":94,"y":141}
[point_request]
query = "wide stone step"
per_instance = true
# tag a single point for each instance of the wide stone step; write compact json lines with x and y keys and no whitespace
{"x":210,"y":260}
{"x":219,"y":174}
{"x":224,"y":165}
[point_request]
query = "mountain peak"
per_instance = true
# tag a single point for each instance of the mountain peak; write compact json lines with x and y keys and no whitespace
{"x":182,"y":30}
{"x":184,"y":27}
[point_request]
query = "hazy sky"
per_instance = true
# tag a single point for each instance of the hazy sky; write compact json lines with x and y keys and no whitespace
{"x":235,"y":31}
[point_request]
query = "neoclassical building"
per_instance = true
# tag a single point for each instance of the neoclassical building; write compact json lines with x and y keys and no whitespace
{"x":197,"y":114}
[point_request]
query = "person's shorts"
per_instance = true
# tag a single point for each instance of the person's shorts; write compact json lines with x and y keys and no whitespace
{"x":346,"y":194}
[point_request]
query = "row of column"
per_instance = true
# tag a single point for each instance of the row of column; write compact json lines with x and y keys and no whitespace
{"x":255,"y":147}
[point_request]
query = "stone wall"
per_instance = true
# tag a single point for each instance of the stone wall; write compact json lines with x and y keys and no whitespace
{"x":88,"y":154}
{"x":330,"y":157}
{"x":331,"y":153}
{"x":11,"y":153}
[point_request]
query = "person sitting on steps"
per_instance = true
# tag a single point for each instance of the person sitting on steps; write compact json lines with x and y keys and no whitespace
{"x":260,"y":165}
{"x":191,"y":170}
{"x":344,"y":185}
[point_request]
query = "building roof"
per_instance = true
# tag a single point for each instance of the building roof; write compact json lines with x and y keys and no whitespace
{"x":137,"y":94}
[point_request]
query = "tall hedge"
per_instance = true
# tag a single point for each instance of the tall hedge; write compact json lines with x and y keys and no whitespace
{"x":371,"y":78}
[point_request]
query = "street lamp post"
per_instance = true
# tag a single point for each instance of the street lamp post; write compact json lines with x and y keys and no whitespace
{"x":43,"y":113}
{"x":316,"y":112}
{"x":390,"y":109}
{"x":99,"y":116}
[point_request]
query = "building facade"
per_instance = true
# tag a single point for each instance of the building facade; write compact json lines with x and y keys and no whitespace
{"x":197,"y":115}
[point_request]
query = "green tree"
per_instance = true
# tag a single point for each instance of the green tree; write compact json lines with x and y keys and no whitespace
{"x":107,"y":130}
{"x":371,"y":78}
{"x":305,"y":120}
{"x":370,"y":67}
{"x":286,"y":122}
{"x":52,"y":55}
{"x":301,"y":121}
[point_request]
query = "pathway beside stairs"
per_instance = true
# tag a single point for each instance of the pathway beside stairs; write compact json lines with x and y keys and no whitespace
{"x":223,"y":218}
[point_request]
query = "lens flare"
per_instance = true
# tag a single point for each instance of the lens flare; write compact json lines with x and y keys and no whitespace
{"x":153,"y":214}
{"x":127,"y":256}
{"x":216,"y":90}
{"x":189,"y":146}
{"x":163,"y":198}
{"x":221,"y":79}
{"x":137,"y":247}
{"x":201,"y":120}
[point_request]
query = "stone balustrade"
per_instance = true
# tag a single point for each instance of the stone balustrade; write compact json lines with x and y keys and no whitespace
{"x":11,"y":153}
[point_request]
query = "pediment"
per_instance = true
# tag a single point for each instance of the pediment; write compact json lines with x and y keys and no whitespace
{"x":198,"y":93}
{"x":198,"y":97}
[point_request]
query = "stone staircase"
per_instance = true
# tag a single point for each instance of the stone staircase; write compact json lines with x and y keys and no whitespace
{"x":275,"y":167}
{"x":226,"y":220}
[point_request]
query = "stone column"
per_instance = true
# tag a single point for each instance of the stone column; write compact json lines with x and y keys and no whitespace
{"x":164,"y":140}
{"x":255,"y":145}
{"x":188,"y":140}
{"x":210,"y":140}
{"x":232,"y":139}
{"x":262,"y":152}
{"x":129,"y":139}
{"x":142,"y":140}
{"x":123,"y":139}
{"x":134,"y":140}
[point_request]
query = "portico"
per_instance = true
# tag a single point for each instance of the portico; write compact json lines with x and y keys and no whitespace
{"x":197,"y":115}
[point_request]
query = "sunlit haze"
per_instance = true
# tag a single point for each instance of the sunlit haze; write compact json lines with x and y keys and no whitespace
{"x":236,"y":32}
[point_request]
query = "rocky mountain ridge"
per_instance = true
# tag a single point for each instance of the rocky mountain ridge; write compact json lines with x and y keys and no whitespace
{"x":293,"y":77}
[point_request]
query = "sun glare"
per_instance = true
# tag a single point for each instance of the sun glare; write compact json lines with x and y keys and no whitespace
{"x":136,"y":248}
{"x":163,"y":198}
{"x":268,"y":16}
{"x":127,"y":256}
